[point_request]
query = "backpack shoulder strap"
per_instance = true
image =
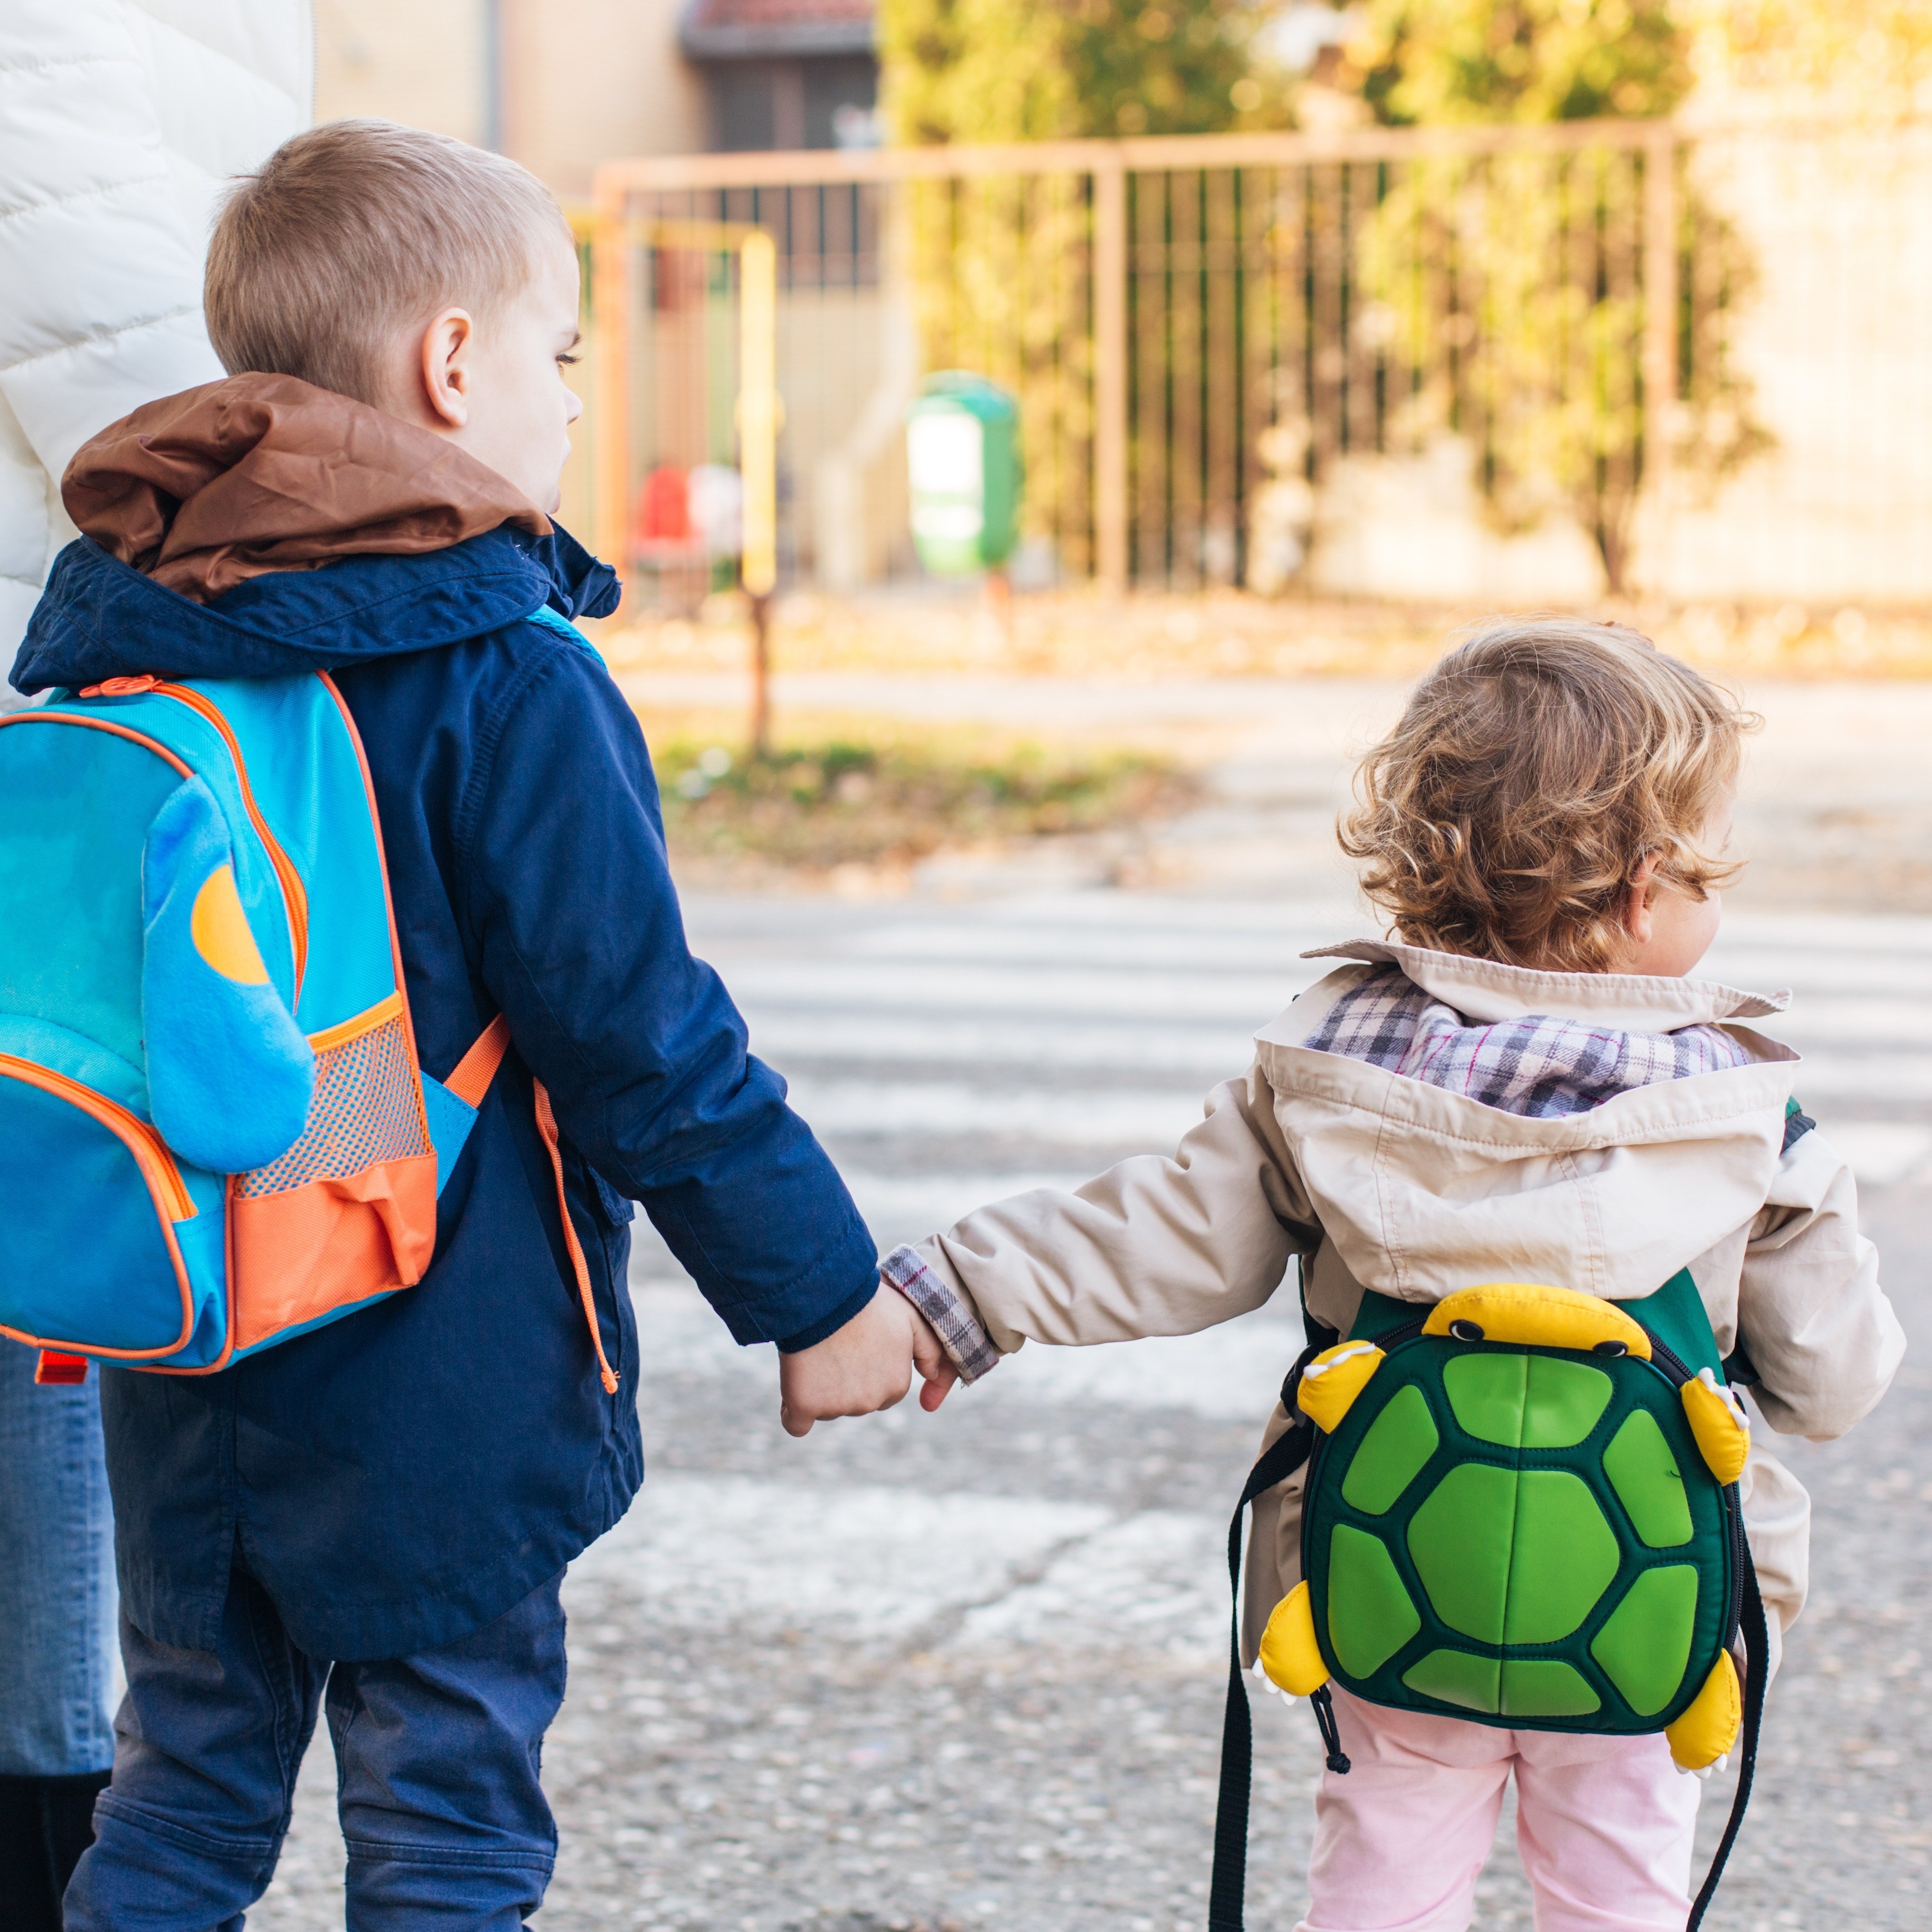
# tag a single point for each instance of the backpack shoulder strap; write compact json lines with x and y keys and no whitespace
{"x":469,"y":1079}
{"x":1227,"y":1889}
{"x":1757,"y":1644}
{"x":552,"y":1144}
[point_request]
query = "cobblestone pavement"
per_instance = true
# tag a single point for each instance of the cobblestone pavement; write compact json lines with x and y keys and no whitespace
{"x":963,"y":1670}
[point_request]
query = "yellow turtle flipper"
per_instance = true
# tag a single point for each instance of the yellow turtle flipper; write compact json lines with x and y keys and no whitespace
{"x":1289,"y":1654}
{"x":1709,"y":1727}
{"x":1332,"y":1381}
{"x":1717,"y":1419}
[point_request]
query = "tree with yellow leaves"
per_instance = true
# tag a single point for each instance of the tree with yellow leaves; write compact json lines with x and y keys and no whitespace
{"x":1874,"y":53}
{"x":999,"y":265}
{"x":1432,"y":62}
{"x":1043,"y":70}
{"x":1536,"y":261}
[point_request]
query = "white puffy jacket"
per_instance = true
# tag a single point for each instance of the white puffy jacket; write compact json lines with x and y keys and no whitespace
{"x":119,"y":121}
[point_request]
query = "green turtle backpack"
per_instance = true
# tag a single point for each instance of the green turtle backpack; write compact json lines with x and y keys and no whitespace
{"x":1521,"y":1509}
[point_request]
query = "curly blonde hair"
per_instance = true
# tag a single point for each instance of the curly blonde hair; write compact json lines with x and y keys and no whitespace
{"x":1534,"y":770}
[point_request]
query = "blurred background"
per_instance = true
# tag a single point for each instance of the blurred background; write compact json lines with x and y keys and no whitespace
{"x":1317,"y":330}
{"x":1041,"y":439}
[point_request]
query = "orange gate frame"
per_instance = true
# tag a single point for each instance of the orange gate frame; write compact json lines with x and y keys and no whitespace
{"x":759,"y":412}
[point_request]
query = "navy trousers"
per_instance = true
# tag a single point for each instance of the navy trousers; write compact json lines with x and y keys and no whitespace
{"x":437,"y":1757}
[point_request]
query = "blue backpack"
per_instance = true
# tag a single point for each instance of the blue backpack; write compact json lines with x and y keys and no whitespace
{"x":215,"y":1132}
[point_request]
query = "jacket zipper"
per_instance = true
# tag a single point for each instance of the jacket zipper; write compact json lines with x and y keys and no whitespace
{"x":150,"y":1151}
{"x":294,"y":896}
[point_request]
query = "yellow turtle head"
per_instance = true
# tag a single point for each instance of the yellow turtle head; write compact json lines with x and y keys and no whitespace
{"x":1542,"y":1317}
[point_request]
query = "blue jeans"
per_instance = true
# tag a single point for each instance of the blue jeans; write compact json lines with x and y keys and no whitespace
{"x":56,"y":1577}
{"x":437,"y":1759}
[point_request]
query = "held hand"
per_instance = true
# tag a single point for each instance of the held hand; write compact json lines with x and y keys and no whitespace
{"x":865,"y":1365}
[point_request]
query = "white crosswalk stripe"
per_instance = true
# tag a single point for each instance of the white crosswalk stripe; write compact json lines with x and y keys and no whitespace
{"x":1023,"y":987}
{"x":1202,"y":1054}
{"x":872,"y":1563}
{"x":901,"y":1107}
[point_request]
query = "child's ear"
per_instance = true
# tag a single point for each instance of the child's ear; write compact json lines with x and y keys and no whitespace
{"x":447,"y":345}
{"x":1639,"y":896}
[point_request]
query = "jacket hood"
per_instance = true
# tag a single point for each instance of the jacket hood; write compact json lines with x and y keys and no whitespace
{"x":207,"y":516}
{"x":1486,"y":990}
{"x":202,"y":490}
{"x":1422,"y":1188}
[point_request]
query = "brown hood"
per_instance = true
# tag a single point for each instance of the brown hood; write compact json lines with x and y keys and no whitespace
{"x":254,"y":473}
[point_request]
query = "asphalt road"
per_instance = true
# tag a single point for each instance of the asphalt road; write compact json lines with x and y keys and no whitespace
{"x":966,"y":1669}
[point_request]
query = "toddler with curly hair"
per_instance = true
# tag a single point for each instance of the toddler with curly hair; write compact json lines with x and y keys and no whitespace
{"x":1521,"y":1083}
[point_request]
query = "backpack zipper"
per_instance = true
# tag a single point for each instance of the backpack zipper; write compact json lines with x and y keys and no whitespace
{"x":150,"y":1151}
{"x":295,"y":895}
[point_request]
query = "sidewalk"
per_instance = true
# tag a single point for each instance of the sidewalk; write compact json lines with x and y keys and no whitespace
{"x":1835,"y":811}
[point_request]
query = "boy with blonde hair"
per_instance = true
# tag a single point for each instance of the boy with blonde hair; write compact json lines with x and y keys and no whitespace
{"x":1523,"y":1084}
{"x":379,"y":1511}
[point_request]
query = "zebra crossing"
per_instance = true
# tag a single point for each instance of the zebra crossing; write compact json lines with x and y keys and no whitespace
{"x":942,"y":1672}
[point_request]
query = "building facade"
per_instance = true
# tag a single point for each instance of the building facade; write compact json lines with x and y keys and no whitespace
{"x":562,"y":84}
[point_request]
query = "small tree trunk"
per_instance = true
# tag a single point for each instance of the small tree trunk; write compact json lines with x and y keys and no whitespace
{"x":998,"y":596}
{"x":1610,"y":522}
{"x":761,"y":677}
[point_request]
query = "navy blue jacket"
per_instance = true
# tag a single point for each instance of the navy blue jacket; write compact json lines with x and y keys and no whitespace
{"x":402,"y":1477}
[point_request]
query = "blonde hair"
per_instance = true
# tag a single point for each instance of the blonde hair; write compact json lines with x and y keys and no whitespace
{"x":354,"y":231}
{"x":1534,"y":770}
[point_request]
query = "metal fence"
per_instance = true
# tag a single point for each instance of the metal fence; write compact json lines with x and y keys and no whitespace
{"x":1317,"y":361}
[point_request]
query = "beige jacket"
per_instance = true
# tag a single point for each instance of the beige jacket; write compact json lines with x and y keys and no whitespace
{"x":1374,"y":1180}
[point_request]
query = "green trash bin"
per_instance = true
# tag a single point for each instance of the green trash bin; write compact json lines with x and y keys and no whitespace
{"x":963,"y":462}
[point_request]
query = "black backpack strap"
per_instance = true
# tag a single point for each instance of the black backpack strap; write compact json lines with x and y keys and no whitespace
{"x":1227,"y":1888}
{"x":1757,"y":1661}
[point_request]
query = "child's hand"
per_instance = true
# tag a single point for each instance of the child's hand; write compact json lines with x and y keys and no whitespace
{"x":865,"y":1365}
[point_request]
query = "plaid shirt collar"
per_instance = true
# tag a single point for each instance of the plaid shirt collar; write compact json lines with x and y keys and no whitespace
{"x":1539,"y":1065}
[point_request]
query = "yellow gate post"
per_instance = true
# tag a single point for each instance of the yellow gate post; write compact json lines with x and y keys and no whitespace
{"x":610,"y":432}
{"x":758,"y":415}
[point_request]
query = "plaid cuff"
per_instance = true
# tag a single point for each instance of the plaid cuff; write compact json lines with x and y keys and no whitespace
{"x":958,"y":1328}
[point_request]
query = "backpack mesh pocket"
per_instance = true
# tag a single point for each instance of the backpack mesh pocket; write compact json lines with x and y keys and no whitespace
{"x":367,"y":1108}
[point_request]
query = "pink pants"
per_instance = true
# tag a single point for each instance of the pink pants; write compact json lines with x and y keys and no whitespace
{"x":1603,"y":1825}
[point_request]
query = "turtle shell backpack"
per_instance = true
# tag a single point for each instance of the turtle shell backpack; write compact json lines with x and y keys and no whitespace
{"x":1520,"y":1510}
{"x":215,"y":1134}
